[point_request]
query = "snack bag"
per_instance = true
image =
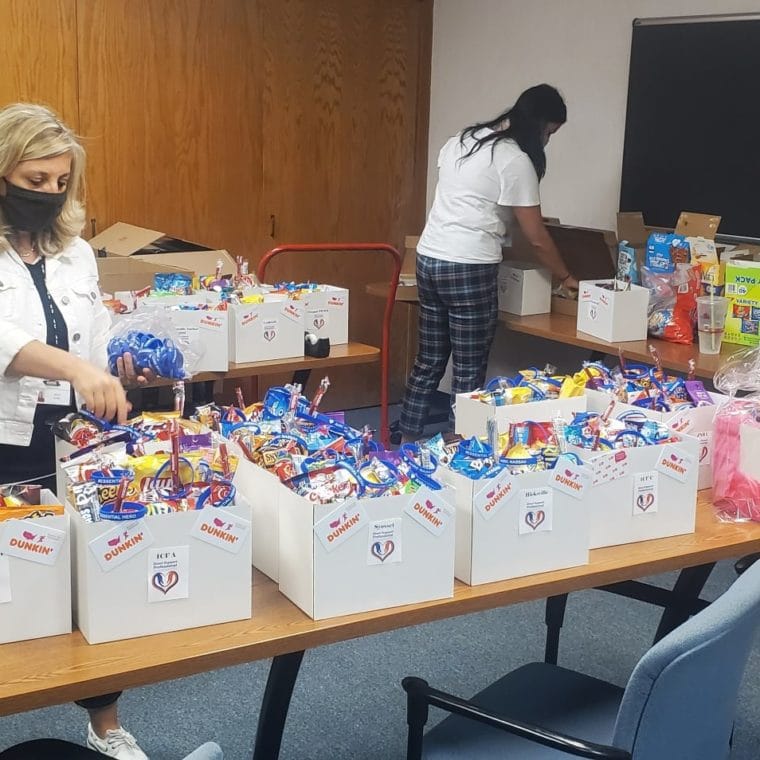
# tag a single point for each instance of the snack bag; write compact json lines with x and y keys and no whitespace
{"x":705,"y":255}
{"x":664,"y":251}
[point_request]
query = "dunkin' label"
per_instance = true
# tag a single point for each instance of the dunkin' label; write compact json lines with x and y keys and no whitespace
{"x":126,"y":540}
{"x":31,"y":541}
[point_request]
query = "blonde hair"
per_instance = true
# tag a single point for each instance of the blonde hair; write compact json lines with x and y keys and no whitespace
{"x":27,"y":132}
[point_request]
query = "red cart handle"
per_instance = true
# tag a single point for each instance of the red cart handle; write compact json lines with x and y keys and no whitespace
{"x":389,"y":301}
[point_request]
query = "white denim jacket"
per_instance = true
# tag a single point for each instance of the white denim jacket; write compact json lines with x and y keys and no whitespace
{"x":72,"y":281}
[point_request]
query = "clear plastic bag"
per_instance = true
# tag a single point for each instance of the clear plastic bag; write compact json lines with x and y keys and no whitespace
{"x":736,"y":440}
{"x":155,"y":344}
{"x":672,"y":302}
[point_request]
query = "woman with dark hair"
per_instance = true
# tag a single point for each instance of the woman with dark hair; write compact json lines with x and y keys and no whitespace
{"x":488,"y":177}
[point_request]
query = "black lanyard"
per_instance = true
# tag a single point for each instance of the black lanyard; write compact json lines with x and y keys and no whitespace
{"x":57,"y":333}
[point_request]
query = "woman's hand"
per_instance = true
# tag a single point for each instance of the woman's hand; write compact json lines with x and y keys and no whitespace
{"x":570,"y":283}
{"x":102,"y":393}
{"x":129,"y":376}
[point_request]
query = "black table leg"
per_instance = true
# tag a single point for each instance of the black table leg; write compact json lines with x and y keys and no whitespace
{"x":690,"y":583}
{"x":555,"y":616}
{"x":283,"y":673}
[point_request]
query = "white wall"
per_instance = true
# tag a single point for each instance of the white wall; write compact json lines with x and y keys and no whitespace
{"x":486,"y":52}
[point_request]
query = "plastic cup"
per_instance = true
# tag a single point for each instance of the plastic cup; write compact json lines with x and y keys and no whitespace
{"x":711,"y":322}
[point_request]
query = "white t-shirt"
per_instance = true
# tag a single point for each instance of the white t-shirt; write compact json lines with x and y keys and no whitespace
{"x":471,"y":214}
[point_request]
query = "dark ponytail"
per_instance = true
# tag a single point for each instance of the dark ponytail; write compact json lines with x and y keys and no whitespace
{"x":528,"y":117}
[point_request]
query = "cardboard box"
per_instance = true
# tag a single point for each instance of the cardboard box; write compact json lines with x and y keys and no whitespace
{"x":366,"y":554}
{"x":122,"y":274}
{"x":612,"y":315}
{"x":743,"y":293}
{"x":327,"y":314}
{"x":161,"y":573}
{"x":35,"y":576}
{"x":642,"y":493}
{"x":697,"y":422}
{"x":270,"y":330}
{"x":511,"y":526}
{"x":566,"y":306}
{"x":471,"y":415}
{"x":155,"y":248}
{"x":524,"y":288}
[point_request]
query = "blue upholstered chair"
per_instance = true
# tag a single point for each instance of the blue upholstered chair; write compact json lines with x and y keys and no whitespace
{"x":679,"y":703}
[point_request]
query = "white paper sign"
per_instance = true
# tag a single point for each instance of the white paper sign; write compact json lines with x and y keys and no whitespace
{"x":216,"y":526}
{"x":705,"y":447}
{"x":570,"y":479}
{"x":645,"y":496}
{"x":5,"y":580}
{"x":347,"y":520}
{"x":429,"y":510}
{"x":494,"y":495}
{"x":168,"y":573}
{"x":29,"y":540}
{"x":384,"y":547}
{"x":319,"y":319}
{"x":126,"y":540}
{"x":269,"y":329}
{"x":607,"y":467}
{"x":675,"y":463}
{"x":536,"y":506}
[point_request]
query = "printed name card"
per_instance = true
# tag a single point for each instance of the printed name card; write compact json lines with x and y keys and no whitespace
{"x":384,"y":542}
{"x":494,"y":495}
{"x":221,"y":529}
{"x":645,"y":497}
{"x":126,"y":540}
{"x":536,"y":510}
{"x":30,"y":541}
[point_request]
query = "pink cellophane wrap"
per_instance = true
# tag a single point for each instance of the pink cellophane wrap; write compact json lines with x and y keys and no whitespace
{"x":736,"y":495}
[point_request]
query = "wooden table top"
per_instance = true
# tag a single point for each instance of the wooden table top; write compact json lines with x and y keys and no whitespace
{"x":561,"y":328}
{"x":340,"y":354}
{"x":58,"y":669}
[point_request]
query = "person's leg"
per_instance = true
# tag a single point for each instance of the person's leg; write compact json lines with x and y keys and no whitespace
{"x":105,"y":733}
{"x":473,"y":306}
{"x":432,"y":352}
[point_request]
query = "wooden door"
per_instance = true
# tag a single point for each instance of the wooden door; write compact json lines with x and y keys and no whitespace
{"x":346,"y":93}
{"x":171,"y":105}
{"x":40,"y":55}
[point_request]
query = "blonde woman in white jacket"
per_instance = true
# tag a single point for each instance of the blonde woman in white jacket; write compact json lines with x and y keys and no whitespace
{"x":53,"y":326}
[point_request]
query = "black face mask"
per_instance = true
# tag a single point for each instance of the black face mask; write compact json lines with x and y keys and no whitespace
{"x":30,"y":210}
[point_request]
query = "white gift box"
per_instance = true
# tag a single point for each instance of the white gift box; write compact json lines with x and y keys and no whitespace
{"x":524,"y":288}
{"x":209,"y":330}
{"x":365,"y":554}
{"x":471,"y":415}
{"x":612,"y":315}
{"x":327,"y":313}
{"x":697,"y":422}
{"x":270,"y":330}
{"x":644,"y":492}
{"x":261,"y":489}
{"x":35,"y":576}
{"x":161,"y":573}
{"x":515,"y":525}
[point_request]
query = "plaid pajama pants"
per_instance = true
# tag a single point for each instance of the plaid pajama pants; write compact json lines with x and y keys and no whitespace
{"x":458,"y":314}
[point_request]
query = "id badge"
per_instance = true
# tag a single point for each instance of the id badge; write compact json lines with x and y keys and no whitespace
{"x":56,"y":392}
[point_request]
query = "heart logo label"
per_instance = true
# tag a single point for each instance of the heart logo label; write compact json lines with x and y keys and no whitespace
{"x":644,"y":501}
{"x":703,"y":453}
{"x":534,"y":519}
{"x":165,"y":583}
{"x":270,"y":335}
{"x":319,"y":323}
{"x":383,"y":550}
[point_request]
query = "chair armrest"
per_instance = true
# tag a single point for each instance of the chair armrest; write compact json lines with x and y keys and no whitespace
{"x":420,"y":692}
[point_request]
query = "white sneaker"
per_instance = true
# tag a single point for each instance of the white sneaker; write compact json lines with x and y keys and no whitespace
{"x":118,"y":743}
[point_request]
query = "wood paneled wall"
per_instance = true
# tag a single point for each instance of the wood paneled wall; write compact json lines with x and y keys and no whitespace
{"x":243,"y":124}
